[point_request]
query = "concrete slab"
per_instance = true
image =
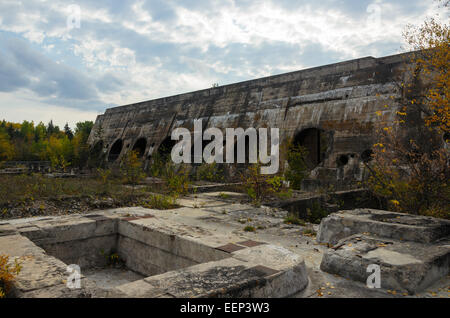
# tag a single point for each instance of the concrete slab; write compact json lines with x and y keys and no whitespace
{"x":387,"y":224}
{"x":196,"y":231}
{"x":405,"y":266}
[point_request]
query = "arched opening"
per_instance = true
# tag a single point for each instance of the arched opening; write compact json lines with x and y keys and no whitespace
{"x":342,"y":160}
{"x":366,"y":155}
{"x":446,"y":137}
{"x":115,"y":151}
{"x":315,"y":141}
{"x":165,"y":148}
{"x":140,"y":146}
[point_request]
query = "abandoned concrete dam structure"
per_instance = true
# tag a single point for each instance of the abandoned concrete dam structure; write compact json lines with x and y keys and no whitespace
{"x":331,"y":110}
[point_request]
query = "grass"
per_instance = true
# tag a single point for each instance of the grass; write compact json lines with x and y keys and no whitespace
{"x":309,"y":232}
{"x":249,"y":228}
{"x":160,"y":202}
{"x":18,"y":188}
{"x":31,"y":195}
{"x":224,"y":195}
{"x":293,"y":219}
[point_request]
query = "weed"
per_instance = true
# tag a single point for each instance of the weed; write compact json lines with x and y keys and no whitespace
{"x":7,"y":274}
{"x":293,"y":219}
{"x":249,"y":228}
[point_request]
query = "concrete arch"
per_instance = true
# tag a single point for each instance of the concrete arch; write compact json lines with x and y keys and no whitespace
{"x":115,"y":150}
{"x":139,"y":146}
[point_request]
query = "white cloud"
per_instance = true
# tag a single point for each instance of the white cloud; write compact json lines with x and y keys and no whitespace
{"x":224,"y":41}
{"x":28,"y":107}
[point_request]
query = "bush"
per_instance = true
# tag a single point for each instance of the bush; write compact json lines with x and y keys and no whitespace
{"x":7,"y":274}
{"x":160,"y":202}
{"x":297,"y":170}
{"x":132,"y":168}
{"x":259,"y":186}
{"x":316,"y":212}
{"x":210,"y":172}
{"x":177,"y":179}
{"x":293,"y":219}
{"x":249,"y":228}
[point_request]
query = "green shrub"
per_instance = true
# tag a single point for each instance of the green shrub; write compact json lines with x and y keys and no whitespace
{"x":249,"y":228}
{"x":132,"y":168}
{"x":293,"y":219}
{"x":160,"y":202}
{"x":316,"y":212}
{"x":210,"y":172}
{"x":177,"y":179}
{"x":297,"y":170}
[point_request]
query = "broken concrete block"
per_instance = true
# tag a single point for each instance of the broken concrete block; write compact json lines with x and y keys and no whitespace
{"x":387,"y":224}
{"x":404,"y":266}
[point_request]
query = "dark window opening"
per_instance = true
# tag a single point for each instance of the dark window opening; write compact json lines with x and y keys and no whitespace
{"x":165,"y":148}
{"x":446,"y":137}
{"x":315,"y":141}
{"x":366,"y":155}
{"x":342,"y":160}
{"x":139,"y":147}
{"x":115,"y":151}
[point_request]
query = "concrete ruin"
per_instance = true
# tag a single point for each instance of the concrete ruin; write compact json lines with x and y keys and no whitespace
{"x":331,"y":110}
{"x":201,"y":250}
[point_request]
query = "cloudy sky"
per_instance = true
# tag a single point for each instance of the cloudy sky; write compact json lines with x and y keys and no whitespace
{"x":70,"y":60}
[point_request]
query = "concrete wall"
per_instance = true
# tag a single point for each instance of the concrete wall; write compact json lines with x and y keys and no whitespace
{"x":340,"y":99}
{"x":89,"y":242}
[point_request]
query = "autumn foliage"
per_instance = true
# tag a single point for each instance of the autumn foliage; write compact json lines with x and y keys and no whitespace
{"x":7,"y":274}
{"x":27,"y":141}
{"x":410,"y":169}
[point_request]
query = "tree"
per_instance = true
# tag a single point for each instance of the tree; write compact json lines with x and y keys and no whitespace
{"x":132,"y":168}
{"x":68,"y":131}
{"x":6,"y":148}
{"x":411,"y":158}
{"x":81,"y":149}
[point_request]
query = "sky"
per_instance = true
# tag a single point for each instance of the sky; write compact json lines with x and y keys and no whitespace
{"x":70,"y":60}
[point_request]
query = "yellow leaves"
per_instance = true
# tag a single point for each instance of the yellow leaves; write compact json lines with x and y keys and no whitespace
{"x":320,"y":292}
{"x":378,"y":112}
{"x":401,"y":113}
{"x":395,"y":202}
{"x":392,"y":292}
{"x":378,"y":145}
{"x":7,"y":273}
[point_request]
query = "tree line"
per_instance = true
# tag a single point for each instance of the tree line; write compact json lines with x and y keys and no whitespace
{"x":62,"y":147}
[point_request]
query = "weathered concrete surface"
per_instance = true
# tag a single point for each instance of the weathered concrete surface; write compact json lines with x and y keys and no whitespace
{"x":386,"y":224}
{"x":150,"y":243}
{"x":405,"y":266}
{"x":110,"y":278}
{"x":241,"y":275}
{"x":210,"y":219}
{"x":342,"y":100}
{"x":41,"y":275}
